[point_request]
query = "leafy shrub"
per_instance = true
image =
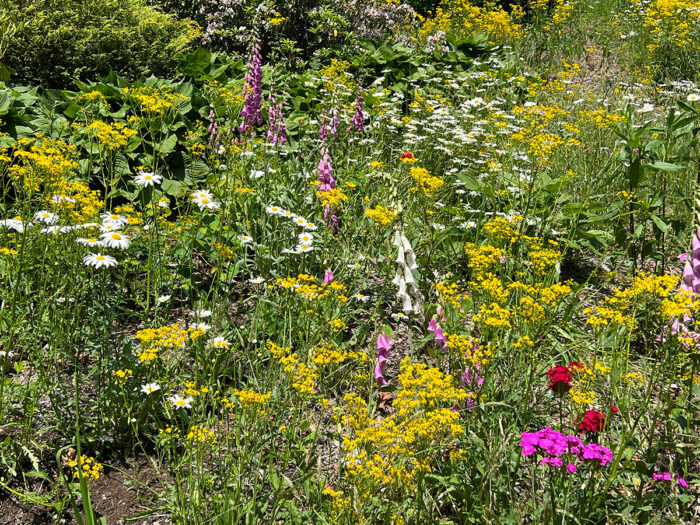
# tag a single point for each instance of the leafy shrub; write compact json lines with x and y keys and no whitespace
{"x":66,"y":39}
{"x":292,"y":28}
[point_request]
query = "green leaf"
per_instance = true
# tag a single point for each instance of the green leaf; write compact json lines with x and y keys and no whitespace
{"x":659,"y":223}
{"x":665,"y":166}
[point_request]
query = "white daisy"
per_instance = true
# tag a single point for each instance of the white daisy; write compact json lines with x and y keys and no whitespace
{"x":311,"y":226}
{"x":289,"y":250}
{"x":300,"y":221}
{"x":115,"y":240}
{"x":90,"y":241}
{"x":163,"y":202}
{"x":274,"y":210}
{"x":149,"y":388}
{"x":693,"y":97}
{"x":45,"y":216}
{"x":245,"y":239}
{"x":162,"y":299}
{"x":107,"y":227}
{"x":51,"y":229}
{"x":114,"y":219}
{"x":256,"y":280}
{"x":303,"y":248}
{"x":306,"y":239}
{"x":181,"y":402}
{"x":98,"y":260}
{"x":220,"y":342}
{"x":361,"y":298}
{"x":206,"y":203}
{"x":202,"y":326}
{"x":146,"y":178}
{"x":202,"y":314}
{"x":287,"y":214}
{"x":15,"y":224}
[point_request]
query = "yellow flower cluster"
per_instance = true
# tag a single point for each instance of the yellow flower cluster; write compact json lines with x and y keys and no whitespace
{"x":113,"y":136}
{"x":381,"y":215}
{"x":153,"y":340}
{"x":336,"y":78}
{"x":425,"y":182}
{"x":123,"y":375}
{"x":200,"y":434}
{"x":670,"y":22}
{"x":494,"y":316}
{"x":461,"y":19}
{"x":326,"y":354}
{"x":76,"y":199}
{"x":389,"y":453}
{"x":305,"y":286}
{"x":655,"y":294}
{"x":474,"y":353}
{"x":41,"y":161}
{"x":251,"y":398}
{"x":580,"y":397}
{"x":302,"y":377}
{"x":331,"y":197}
{"x":90,"y":468}
{"x":482,"y":258}
{"x":154,"y":101}
{"x":503,"y":229}
{"x":542,"y":259}
{"x":450,"y":294}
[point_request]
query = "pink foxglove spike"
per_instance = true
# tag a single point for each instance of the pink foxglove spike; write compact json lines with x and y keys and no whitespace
{"x":440,"y":337}
{"x":328,"y":277}
{"x":696,"y":266}
{"x":688,"y":274}
{"x":379,"y":375}
{"x":432,"y":325}
{"x":384,"y":343}
{"x":683,"y":257}
{"x":696,"y":247}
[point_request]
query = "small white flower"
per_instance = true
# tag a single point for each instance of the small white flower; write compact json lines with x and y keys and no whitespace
{"x":646,"y":108}
{"x":90,"y":241}
{"x":46,"y":217}
{"x":287,"y":214}
{"x":51,"y":229}
{"x":257,"y":174}
{"x":6,"y":354}
{"x":202,"y":314}
{"x":98,"y":260}
{"x":202,"y":326}
{"x":693,"y":97}
{"x":115,"y":240}
{"x":311,"y":226}
{"x":163,"y":202}
{"x":179,"y":402}
{"x":399,"y":316}
{"x":162,"y":299}
{"x":360,"y":298}
{"x":147,"y":178}
{"x":303,"y":248}
{"x":289,"y":250}
{"x":245,"y":239}
{"x":149,"y":388}
{"x":256,"y":280}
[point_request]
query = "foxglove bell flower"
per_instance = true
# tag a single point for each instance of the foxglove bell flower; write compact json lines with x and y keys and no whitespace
{"x":252,"y":110}
{"x":384,"y":345}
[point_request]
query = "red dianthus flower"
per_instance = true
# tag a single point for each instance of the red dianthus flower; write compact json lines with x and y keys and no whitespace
{"x":593,"y":421}
{"x":559,"y":379}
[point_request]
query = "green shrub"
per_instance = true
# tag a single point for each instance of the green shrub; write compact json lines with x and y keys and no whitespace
{"x":62,"y":40}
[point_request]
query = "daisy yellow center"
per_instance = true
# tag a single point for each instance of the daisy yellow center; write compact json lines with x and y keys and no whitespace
{"x":147,"y":177}
{"x":100,"y":258}
{"x":116,"y":236}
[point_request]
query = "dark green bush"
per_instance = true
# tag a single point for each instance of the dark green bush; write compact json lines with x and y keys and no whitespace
{"x":63,"y":40}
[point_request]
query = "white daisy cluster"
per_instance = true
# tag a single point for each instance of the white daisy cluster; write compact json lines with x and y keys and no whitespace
{"x":147,"y":178}
{"x":305,"y":241}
